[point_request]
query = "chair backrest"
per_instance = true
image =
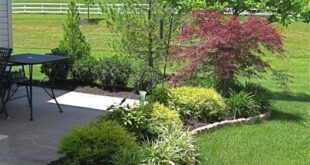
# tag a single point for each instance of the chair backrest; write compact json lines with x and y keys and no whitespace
{"x":5,"y":54}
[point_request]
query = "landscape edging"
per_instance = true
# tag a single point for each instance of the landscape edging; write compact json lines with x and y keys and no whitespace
{"x":231,"y":122}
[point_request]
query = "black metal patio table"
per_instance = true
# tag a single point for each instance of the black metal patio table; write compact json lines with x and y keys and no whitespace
{"x":31,"y":59}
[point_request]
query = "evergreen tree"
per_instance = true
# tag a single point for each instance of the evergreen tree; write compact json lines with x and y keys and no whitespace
{"x":74,"y":42}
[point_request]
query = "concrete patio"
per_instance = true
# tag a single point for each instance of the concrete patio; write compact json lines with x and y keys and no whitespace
{"x":35,"y":142}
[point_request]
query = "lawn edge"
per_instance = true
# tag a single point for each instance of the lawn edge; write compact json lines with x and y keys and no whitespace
{"x":215,"y":125}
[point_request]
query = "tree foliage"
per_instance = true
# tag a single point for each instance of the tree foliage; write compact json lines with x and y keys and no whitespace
{"x":282,"y":11}
{"x":138,"y":28}
{"x":74,"y":43}
{"x":226,"y":47}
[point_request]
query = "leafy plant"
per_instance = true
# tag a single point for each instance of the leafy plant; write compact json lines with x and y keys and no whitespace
{"x":174,"y":146}
{"x":260,"y":94}
{"x":99,"y":143}
{"x":242,"y":104}
{"x":146,"y":78}
{"x":85,"y":70}
{"x":139,"y":33}
{"x":194,"y":103}
{"x":114,"y":72}
{"x":144,"y":122}
{"x":59,"y":71}
{"x":161,"y":95}
{"x":226,"y":47}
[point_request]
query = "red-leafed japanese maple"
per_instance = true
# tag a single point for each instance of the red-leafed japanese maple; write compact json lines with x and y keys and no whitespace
{"x":225,"y":46}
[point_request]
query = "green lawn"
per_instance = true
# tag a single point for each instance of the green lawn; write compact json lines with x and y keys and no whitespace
{"x":285,"y":138}
{"x":40,"y":33}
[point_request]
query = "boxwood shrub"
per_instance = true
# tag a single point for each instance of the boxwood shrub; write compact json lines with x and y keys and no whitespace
{"x":114,"y":72}
{"x":85,"y":70}
{"x":195,"y":103}
{"x":100,"y":143}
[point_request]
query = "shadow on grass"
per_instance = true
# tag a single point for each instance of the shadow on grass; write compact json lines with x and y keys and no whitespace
{"x":285,"y":116}
{"x":91,"y":21}
{"x":282,"y":96}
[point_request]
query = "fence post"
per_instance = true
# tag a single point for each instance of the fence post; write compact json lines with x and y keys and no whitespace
{"x":42,"y":8}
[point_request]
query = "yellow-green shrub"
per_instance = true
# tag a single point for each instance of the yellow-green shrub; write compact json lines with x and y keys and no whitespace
{"x":162,"y":116}
{"x":194,"y":103}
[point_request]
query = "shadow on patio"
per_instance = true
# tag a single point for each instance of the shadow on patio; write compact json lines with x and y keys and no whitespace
{"x":35,"y":142}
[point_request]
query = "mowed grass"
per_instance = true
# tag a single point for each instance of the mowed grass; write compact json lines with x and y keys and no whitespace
{"x":285,"y":137}
{"x":37,"y":33}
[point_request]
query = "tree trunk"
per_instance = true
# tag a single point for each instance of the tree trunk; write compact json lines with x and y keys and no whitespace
{"x":150,"y":51}
{"x":88,"y":12}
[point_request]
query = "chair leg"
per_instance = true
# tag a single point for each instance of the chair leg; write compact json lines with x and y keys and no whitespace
{"x":3,"y":109}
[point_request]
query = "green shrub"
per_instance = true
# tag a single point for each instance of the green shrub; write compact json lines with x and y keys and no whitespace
{"x":242,"y":104}
{"x":114,"y":72}
{"x":260,"y":94}
{"x":99,"y":143}
{"x":85,"y":70}
{"x":59,"y":70}
{"x":174,"y":146}
{"x":195,"y":103}
{"x":161,"y":116}
{"x":144,"y":122}
{"x":161,"y":95}
{"x":146,"y":78}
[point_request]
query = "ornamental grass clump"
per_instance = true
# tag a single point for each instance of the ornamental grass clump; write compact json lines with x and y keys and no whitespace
{"x":173,"y":146}
{"x":194,"y":103}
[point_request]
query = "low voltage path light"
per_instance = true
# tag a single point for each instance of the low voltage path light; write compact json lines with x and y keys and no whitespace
{"x":142,"y":98}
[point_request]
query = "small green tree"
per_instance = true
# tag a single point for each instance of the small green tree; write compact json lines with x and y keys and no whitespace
{"x":74,"y":43}
{"x":138,"y":28}
{"x":88,"y":3}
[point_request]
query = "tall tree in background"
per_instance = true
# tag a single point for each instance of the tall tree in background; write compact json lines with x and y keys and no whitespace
{"x":88,"y":3}
{"x":283,"y":11}
{"x":138,"y":28}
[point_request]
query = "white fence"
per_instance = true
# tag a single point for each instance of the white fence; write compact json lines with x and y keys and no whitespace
{"x":54,"y":8}
{"x":62,"y":8}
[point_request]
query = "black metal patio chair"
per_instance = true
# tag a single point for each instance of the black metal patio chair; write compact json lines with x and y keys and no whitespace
{"x":5,"y":77}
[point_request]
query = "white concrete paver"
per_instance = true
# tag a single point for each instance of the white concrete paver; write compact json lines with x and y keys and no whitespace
{"x":90,"y":101}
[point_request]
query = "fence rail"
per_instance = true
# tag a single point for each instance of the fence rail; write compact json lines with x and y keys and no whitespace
{"x":62,"y":8}
{"x":55,"y":8}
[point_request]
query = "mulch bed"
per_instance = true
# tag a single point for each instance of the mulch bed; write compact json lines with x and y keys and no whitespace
{"x":71,"y":85}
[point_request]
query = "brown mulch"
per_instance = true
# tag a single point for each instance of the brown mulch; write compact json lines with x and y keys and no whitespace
{"x":71,"y":85}
{"x":99,"y":91}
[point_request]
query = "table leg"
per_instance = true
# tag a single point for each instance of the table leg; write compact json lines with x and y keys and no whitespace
{"x":30,"y":91}
{"x":52,"y":93}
